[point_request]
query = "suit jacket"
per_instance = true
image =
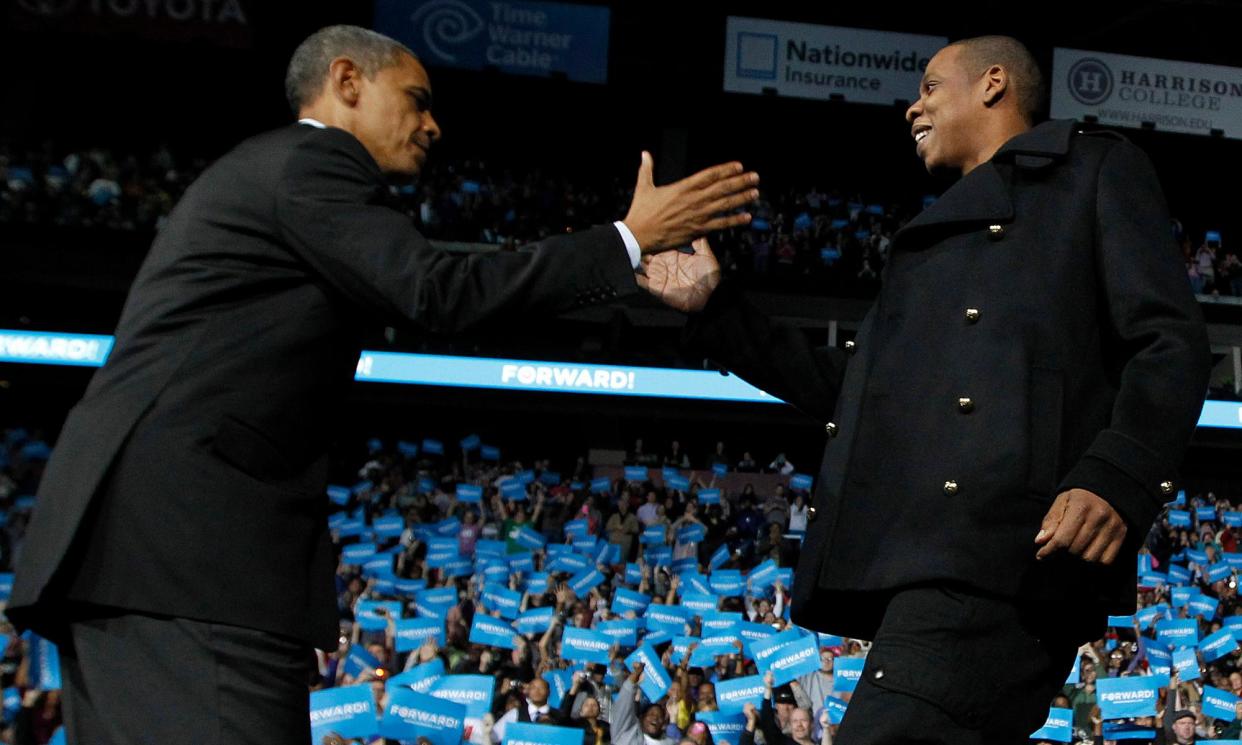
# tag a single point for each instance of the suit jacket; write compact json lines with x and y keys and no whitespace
{"x":189,"y":481}
{"x":1034,"y":332}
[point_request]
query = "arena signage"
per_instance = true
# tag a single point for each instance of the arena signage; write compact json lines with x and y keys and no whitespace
{"x":222,"y":22}
{"x":811,"y":61}
{"x":1126,"y":91}
{"x":522,"y":38}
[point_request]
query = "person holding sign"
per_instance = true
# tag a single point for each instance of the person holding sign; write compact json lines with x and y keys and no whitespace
{"x":180,"y":528}
{"x":1008,"y":421}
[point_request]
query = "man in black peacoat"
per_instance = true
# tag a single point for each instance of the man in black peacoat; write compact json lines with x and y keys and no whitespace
{"x":1007,"y":423}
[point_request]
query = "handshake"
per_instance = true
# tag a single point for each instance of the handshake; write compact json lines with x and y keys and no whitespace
{"x":666,"y":219}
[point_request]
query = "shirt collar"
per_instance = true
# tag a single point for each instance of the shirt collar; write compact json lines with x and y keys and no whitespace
{"x":313,"y":122}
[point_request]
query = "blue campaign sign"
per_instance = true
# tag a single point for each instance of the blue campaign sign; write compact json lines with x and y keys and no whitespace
{"x":559,"y":683}
{"x":373,"y":615}
{"x":473,"y":691}
{"x":753,"y":632}
{"x":1182,"y":632}
{"x":471,"y":442}
{"x":413,"y":716}
{"x":732,"y":695}
{"x":520,"y":37}
{"x":708,"y":496}
{"x":655,"y":680}
{"x":6,"y":585}
{"x":469,"y":493}
{"x":1219,"y":572}
{"x":680,"y":647}
{"x":502,"y":600}
{"x":710,"y":648}
{"x":658,"y":555}
{"x":1178,"y":574}
{"x":550,"y":478}
{"x":419,"y":678}
{"x":762,"y":575}
{"x":1144,"y":563}
{"x":573,"y":563}
{"x":727,"y":582}
{"x":801,"y":482}
{"x":765,"y":650}
{"x":723,"y":727}
{"x":1232,"y":558}
{"x":459,"y":567}
{"x":1219,"y":704}
{"x":691,"y":533}
{"x":1218,"y":645}
{"x":633,"y":574}
{"x":357,"y":553}
{"x":719,"y":556}
{"x":407,"y":449}
{"x":1058,"y":727}
{"x":1206,"y":514}
{"x":1186,"y":662}
{"x":623,"y":631}
{"x":720,"y":623}
{"x":601,"y":485}
{"x":577,"y":529}
{"x":525,"y":733}
{"x":720,"y":469}
{"x":584,"y":582}
{"x":1153,"y":579}
{"x":653,"y":535}
{"x":339,"y":495}
{"x":12,"y":703}
{"x":793,"y":660}
{"x":1160,"y":658}
{"x":347,"y":711}
{"x":1179,"y":518}
{"x":1121,"y":698}
{"x":699,"y":602}
{"x":636,"y":473}
{"x":1198,"y":556}
{"x":411,"y":632}
{"x":845,"y":673}
{"x":487,"y":630}
{"x":677,"y":482}
{"x":629,"y":600}
{"x":695,"y":582}
{"x":426,"y":484}
{"x":1127,"y":731}
{"x":528,"y":537}
{"x":489,"y":453}
{"x":585,"y":645}
{"x":535,"y":620}
{"x":1180,"y":596}
{"x":360,"y":661}
{"x":1121,"y":622}
{"x":44,"y":663}
{"x":433,"y":447}
{"x":1233,"y":519}
{"x":389,"y":526}
{"x":670,"y":618}
{"x":836,"y":709}
{"x":1203,"y":606}
{"x":513,"y":490}
{"x":522,"y":563}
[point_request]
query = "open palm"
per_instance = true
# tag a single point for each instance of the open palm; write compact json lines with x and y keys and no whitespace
{"x":683,"y":281}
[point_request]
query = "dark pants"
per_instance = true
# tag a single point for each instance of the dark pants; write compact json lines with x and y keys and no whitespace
{"x":130,"y":678}
{"x":952,"y":666}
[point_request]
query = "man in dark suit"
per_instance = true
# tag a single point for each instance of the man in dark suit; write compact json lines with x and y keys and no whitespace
{"x":1007,"y":422}
{"x":179,"y":552}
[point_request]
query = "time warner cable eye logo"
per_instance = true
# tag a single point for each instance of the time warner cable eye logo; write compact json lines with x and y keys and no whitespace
{"x":445,"y":23}
{"x":1090,"y":81}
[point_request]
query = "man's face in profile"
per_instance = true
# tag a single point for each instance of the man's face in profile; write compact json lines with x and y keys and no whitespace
{"x":394,"y":117}
{"x":944,"y":120}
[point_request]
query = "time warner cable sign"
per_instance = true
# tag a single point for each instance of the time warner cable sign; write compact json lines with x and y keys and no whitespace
{"x":523,"y":38}
{"x":1127,"y":91}
{"x":810,"y":61}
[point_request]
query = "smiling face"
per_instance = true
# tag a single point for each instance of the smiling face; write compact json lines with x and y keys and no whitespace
{"x":946,"y":115}
{"x":800,"y":724}
{"x":655,"y":719}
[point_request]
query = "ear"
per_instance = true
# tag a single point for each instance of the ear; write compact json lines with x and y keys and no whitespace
{"x":345,"y":80}
{"x":995,"y":82}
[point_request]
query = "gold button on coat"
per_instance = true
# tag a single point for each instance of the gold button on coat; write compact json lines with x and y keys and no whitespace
{"x":831,"y":429}
{"x":996,"y":232}
{"x":950,"y":488}
{"x":850,"y":346}
{"x":972,"y":315}
{"x":810,"y":514}
{"x":1166,"y":487}
{"x":965,"y":405}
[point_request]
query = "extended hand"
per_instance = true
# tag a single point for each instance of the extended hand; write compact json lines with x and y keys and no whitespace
{"x":664,"y":217}
{"x":682,"y":281}
{"x":1083,"y":523}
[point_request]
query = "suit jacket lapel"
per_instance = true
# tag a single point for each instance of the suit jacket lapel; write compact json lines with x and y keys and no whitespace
{"x":980,"y":196}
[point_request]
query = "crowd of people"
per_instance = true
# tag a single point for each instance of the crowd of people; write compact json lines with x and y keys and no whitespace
{"x":650,"y":607}
{"x":813,"y":240}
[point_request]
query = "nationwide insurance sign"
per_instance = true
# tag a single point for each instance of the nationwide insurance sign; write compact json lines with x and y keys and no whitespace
{"x":810,"y":61}
{"x":1126,"y":91}
{"x":520,"y":38}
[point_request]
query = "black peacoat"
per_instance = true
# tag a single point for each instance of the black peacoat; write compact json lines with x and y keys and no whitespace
{"x":1034,"y":332}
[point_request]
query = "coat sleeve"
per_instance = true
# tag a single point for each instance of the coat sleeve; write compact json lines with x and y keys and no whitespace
{"x":623,"y":719}
{"x":776,"y":358}
{"x":1156,"y":341}
{"x":331,"y":211}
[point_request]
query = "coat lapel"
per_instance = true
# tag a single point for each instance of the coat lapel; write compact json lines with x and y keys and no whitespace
{"x":982,"y":195}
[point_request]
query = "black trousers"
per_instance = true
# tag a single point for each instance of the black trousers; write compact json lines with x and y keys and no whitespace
{"x":949,"y":665}
{"x":131,"y":678}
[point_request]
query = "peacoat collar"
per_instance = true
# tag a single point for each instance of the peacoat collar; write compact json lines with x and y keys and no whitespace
{"x":982,"y":195}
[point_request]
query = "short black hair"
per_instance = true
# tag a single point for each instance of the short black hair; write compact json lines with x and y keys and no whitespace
{"x":981,"y":52}
{"x":308,"y":67}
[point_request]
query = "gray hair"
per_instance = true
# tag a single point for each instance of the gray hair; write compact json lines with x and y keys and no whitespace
{"x":370,"y":50}
{"x":981,"y":52}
